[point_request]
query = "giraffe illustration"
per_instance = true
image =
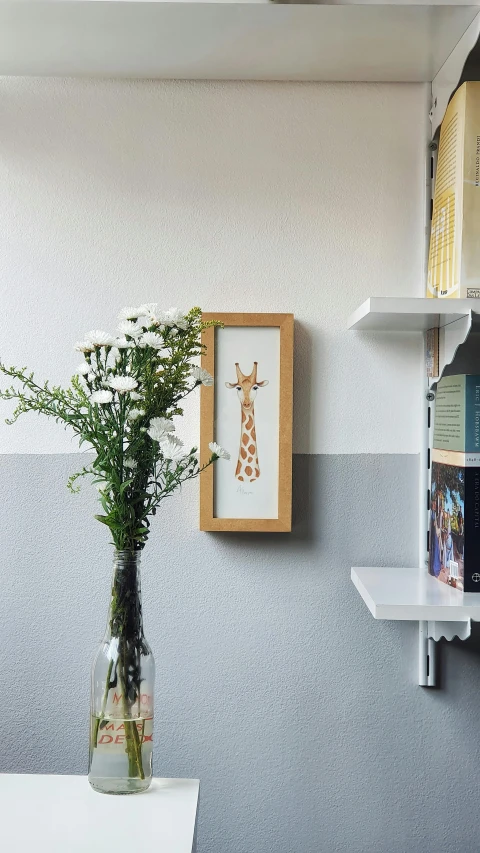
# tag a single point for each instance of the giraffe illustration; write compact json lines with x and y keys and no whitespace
{"x":247,"y":387}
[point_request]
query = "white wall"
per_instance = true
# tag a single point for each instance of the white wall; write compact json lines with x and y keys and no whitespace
{"x":236,"y":197}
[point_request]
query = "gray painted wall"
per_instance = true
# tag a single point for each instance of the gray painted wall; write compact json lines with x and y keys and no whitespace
{"x":299,"y":713}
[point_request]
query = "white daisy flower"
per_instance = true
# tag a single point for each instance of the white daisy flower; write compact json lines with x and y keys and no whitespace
{"x":150,"y":339}
{"x":91,"y":377}
{"x":159,"y":428}
{"x":130,"y":463}
{"x":122,"y":384}
{"x":113,"y":357}
{"x":122,"y":343}
{"x":130,"y":328}
{"x":134,"y":395}
{"x":100,"y":339}
{"x":83,"y":368}
{"x":129,"y":313}
{"x":166,"y":424}
{"x":84,"y":346}
{"x":148,"y":309}
{"x":172,"y":448}
{"x":156,"y":434}
{"x":133,"y":414}
{"x":101,"y":397}
{"x":201,"y":375}
{"x":218,"y":451}
{"x":174,"y":317}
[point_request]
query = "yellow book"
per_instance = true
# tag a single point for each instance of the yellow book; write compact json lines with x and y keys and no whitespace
{"x":454,"y":257}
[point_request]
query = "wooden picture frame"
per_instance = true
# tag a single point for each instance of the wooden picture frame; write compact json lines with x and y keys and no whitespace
{"x":233,"y":495}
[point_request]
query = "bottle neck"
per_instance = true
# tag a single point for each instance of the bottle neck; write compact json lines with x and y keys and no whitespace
{"x":125,"y":613}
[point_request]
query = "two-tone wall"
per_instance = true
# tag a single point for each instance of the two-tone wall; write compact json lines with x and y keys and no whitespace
{"x":299,"y":713}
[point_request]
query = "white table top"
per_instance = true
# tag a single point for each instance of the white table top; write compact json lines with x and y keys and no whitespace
{"x":62,"y":814}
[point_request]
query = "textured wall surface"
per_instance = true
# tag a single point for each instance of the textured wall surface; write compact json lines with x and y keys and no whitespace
{"x":261,"y":197}
{"x":300,"y":714}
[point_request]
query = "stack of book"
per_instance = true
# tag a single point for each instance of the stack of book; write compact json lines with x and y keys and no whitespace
{"x":454,"y":538}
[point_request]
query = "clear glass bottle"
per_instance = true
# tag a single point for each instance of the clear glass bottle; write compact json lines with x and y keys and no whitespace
{"x":123,"y":674}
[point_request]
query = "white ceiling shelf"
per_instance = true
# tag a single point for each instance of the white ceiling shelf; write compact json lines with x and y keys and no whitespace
{"x":390,"y":42}
{"x":409,"y":314}
{"x":413,"y":595}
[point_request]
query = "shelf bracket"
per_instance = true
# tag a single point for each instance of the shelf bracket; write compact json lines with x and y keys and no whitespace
{"x":429,"y":633}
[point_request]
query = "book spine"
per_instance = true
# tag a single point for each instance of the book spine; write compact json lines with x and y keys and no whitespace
{"x":470,"y":212}
{"x":472,"y":529}
{"x":472,"y":414}
{"x":445,"y":253}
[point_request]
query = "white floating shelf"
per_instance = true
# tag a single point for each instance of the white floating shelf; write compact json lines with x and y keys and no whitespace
{"x":258,"y":40}
{"x":413,"y":595}
{"x":409,"y":314}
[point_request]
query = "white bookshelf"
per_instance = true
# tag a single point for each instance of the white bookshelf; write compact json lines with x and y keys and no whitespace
{"x":412,"y":594}
{"x":409,"y":314}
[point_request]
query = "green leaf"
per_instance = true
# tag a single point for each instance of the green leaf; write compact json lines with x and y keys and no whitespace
{"x":125,"y":485}
{"x":103,"y":519}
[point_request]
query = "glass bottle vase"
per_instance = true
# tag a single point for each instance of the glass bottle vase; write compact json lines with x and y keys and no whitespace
{"x":123,"y":673}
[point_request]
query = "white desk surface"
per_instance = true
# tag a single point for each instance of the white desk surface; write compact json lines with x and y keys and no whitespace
{"x":62,"y":814}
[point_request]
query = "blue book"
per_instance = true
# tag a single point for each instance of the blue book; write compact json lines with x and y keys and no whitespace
{"x":454,"y":536}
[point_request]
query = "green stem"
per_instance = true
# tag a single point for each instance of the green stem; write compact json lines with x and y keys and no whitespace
{"x":133,"y":747}
{"x":101,"y":716}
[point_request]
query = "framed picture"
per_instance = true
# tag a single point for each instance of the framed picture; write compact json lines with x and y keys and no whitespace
{"x":248,"y":411}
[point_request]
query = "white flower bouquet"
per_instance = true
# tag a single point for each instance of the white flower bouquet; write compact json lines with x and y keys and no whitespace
{"x":122,"y":403}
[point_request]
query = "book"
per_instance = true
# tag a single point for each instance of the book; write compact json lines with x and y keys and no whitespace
{"x":457,"y":414}
{"x":432,"y":352}
{"x":454,"y":256}
{"x":454,"y":535}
